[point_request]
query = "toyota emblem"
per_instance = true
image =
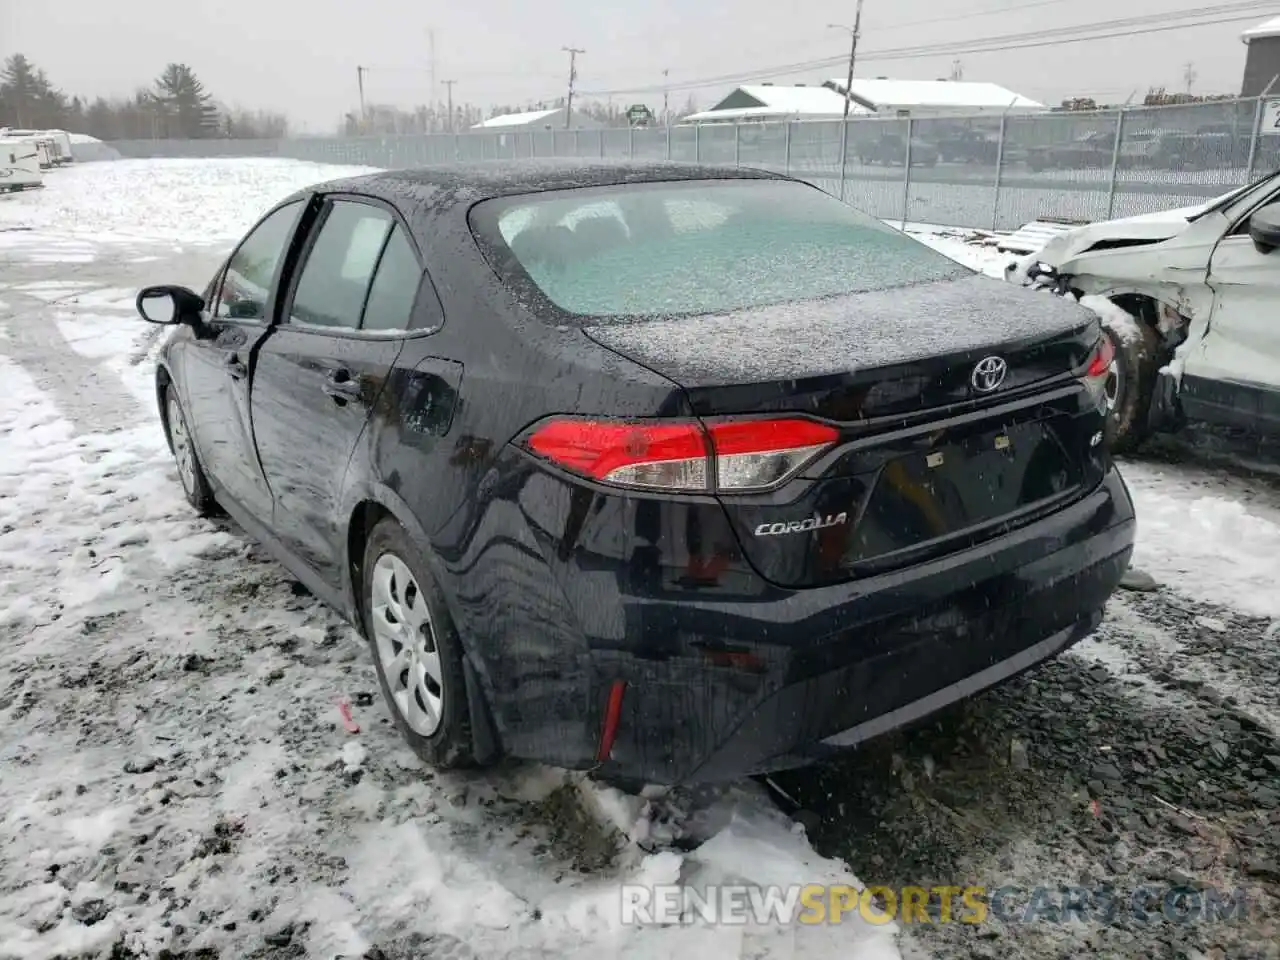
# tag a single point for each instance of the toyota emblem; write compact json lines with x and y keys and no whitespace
{"x":988,"y":374}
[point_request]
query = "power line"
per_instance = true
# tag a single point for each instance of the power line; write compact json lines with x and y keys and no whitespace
{"x":984,"y":12}
{"x":1125,"y":27}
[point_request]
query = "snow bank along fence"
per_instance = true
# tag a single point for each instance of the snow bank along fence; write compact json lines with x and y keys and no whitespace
{"x":997,"y":172}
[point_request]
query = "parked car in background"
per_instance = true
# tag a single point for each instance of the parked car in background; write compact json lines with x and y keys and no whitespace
{"x":1202,"y":150}
{"x":1089,"y":151}
{"x":968,"y":146}
{"x":677,"y":473}
{"x":890,"y":149}
{"x":1202,"y":286}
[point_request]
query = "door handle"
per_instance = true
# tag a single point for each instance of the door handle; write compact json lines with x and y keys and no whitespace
{"x":236,"y":368}
{"x":343,"y":387}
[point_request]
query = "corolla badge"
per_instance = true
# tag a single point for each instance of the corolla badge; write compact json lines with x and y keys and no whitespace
{"x":801,"y":526}
{"x":988,"y":374}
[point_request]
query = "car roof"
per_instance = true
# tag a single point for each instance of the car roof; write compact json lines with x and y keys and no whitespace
{"x":427,"y":193}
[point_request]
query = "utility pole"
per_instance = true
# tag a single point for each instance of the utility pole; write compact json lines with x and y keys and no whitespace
{"x":431,"y":52}
{"x":449,"y":85}
{"x":854,"y":31}
{"x":666,"y":93}
{"x":573,"y":76}
{"x":364,"y":115}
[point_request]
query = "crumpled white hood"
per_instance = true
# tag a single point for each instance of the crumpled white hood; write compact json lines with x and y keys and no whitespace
{"x":1148,"y":226}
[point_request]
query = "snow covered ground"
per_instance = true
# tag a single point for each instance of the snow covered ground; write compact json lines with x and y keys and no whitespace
{"x":174,"y":772}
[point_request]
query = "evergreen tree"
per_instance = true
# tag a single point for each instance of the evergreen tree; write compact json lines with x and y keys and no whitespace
{"x":180,"y":103}
{"x":27,"y":98}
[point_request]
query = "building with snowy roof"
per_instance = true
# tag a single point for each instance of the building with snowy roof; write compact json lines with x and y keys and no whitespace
{"x":553,"y":119}
{"x":1262,"y":62}
{"x":768,"y":101}
{"x":934,"y":98}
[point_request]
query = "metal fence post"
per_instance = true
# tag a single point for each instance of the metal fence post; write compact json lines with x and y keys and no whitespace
{"x":995,"y":203}
{"x":844,"y":156}
{"x":906,"y":177}
{"x":1258,"y":112}
{"x":786,"y":148}
{"x":577,"y":143}
{"x":697,"y":143}
{"x":1115,"y":166}
{"x":631,"y":143}
{"x":668,"y":141}
{"x":737,"y":144}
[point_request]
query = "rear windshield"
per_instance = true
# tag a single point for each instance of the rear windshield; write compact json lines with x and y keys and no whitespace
{"x":695,"y":247}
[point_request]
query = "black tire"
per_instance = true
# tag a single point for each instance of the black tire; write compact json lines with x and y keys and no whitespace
{"x":1137,"y":364}
{"x":451,"y":745}
{"x":195,"y":484}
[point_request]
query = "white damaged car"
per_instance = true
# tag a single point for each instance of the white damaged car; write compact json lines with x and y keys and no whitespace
{"x":1191,"y":300}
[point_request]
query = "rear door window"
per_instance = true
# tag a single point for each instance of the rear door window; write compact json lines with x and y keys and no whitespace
{"x":335,"y":279}
{"x":395,"y":286}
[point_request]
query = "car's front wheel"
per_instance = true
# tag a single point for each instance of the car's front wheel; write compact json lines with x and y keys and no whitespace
{"x":416,"y":649}
{"x":1130,"y":384}
{"x":195,"y":485}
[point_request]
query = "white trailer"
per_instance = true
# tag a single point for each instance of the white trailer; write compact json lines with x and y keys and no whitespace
{"x":19,"y":166}
{"x":59,"y":143}
{"x":44,"y":151}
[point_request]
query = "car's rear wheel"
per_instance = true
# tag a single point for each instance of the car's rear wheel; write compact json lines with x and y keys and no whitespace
{"x":416,"y":649}
{"x":195,"y":485}
{"x":1130,"y":384}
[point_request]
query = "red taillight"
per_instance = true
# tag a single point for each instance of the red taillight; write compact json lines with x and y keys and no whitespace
{"x":1100,"y":361}
{"x":727,"y":455}
{"x":663,"y":455}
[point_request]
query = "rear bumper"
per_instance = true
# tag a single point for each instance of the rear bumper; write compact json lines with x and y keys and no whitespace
{"x":726,"y":674}
{"x":841,"y":664}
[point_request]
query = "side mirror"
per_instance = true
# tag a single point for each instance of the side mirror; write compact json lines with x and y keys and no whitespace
{"x":1264,"y":228}
{"x":169,"y":304}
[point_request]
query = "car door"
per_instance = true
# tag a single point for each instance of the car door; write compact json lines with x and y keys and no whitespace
{"x":1232,"y":375}
{"x":216,"y":366}
{"x":323,"y":367}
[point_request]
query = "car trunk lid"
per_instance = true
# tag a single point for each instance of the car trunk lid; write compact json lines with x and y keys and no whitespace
{"x":935,"y":450}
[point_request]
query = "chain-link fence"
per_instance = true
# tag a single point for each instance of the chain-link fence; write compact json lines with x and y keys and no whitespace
{"x":988,"y":171}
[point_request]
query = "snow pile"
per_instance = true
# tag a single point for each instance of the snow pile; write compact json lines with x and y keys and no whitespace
{"x":1199,"y":532}
{"x":1116,"y":319}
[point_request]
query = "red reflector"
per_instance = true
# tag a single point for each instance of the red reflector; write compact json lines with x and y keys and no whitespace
{"x":612,"y":715}
{"x":735,"y":660}
{"x":1102,"y":357}
{"x":598,"y":448}
{"x":762,"y":436}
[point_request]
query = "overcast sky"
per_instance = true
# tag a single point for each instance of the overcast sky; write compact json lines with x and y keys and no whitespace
{"x":301,"y":57}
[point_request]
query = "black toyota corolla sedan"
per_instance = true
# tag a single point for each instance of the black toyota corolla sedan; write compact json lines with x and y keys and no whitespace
{"x":674,"y":472}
